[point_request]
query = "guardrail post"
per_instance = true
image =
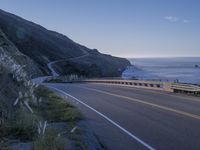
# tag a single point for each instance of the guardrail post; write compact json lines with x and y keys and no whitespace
{"x":167,"y":87}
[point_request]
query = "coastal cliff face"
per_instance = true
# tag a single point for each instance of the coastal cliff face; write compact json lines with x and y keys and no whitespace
{"x":15,"y":68}
{"x":10,"y":53}
{"x":42,"y":46}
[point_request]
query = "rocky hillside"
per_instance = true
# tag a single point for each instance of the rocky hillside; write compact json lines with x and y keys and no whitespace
{"x":11,"y":52}
{"x":27,"y":111}
{"x":12,"y":61}
{"x":42,"y":46}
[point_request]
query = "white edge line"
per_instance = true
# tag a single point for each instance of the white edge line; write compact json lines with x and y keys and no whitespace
{"x":108,"y":119}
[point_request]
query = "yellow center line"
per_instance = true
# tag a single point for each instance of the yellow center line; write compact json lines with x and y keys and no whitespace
{"x":185,"y":97}
{"x":147,"y":103}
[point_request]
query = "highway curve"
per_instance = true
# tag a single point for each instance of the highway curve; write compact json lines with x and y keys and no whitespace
{"x":126,"y":118}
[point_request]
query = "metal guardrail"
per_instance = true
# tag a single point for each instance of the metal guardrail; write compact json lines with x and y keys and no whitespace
{"x":155,"y":85}
{"x":185,"y":87}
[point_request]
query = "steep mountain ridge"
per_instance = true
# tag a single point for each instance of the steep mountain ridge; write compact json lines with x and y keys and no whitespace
{"x":44,"y":46}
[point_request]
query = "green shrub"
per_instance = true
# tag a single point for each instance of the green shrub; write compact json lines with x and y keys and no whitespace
{"x":4,"y":144}
{"x":54,"y":109}
{"x":71,"y":114}
{"x":49,"y":141}
{"x":42,"y":91}
{"x":18,"y":123}
{"x":55,"y":81}
{"x":24,"y":126}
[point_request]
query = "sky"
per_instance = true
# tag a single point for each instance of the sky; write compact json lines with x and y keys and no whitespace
{"x":125,"y":28}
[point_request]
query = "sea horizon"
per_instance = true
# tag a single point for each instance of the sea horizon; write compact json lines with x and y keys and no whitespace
{"x":184,"y":69}
{"x":164,"y":57}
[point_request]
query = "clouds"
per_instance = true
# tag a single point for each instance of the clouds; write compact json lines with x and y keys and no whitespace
{"x":171,"y":18}
{"x":175,"y":19}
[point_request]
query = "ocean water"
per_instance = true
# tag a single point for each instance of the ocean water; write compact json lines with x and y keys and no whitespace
{"x":185,"y":70}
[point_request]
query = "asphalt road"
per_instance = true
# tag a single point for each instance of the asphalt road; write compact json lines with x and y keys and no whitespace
{"x":126,"y":118}
{"x":50,"y":64}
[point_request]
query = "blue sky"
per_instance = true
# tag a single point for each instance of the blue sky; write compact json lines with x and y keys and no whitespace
{"x":126,"y":28}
